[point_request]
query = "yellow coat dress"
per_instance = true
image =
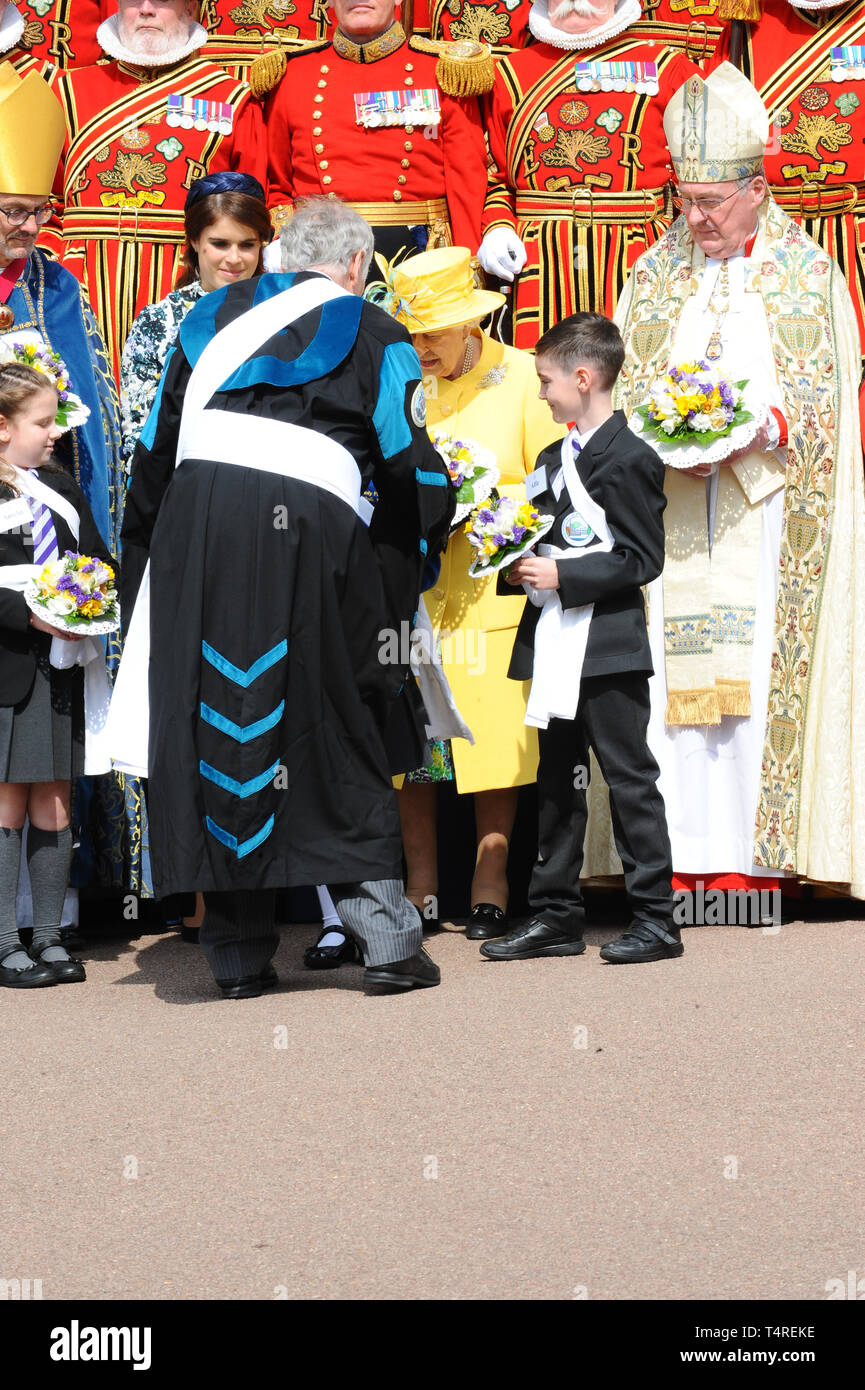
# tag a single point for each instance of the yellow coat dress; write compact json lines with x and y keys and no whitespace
{"x":497,"y":405}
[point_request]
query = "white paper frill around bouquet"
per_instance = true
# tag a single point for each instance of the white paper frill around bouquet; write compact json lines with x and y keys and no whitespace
{"x":96,"y":627}
{"x":479,"y":571}
{"x":687,"y":453}
{"x":482,"y":483}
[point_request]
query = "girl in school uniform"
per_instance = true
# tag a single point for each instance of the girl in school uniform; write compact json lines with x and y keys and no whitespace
{"x":41,"y":707}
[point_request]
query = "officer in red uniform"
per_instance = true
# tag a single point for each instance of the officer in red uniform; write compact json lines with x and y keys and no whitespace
{"x":141,"y":128}
{"x":373,"y":119}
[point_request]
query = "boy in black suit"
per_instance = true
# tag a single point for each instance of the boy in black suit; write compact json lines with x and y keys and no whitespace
{"x":583,"y":641}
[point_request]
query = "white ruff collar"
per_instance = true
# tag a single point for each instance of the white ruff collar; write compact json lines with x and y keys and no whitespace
{"x":109,"y":40}
{"x":11,"y":27}
{"x":626,"y":13}
{"x":818,"y":4}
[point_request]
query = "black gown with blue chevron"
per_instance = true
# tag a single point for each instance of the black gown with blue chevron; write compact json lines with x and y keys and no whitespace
{"x":271,"y":677}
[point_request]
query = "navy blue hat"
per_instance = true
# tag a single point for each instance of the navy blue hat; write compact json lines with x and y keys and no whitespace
{"x":229,"y":181}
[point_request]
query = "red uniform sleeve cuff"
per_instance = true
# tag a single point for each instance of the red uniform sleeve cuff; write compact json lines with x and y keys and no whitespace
{"x":782,"y":427}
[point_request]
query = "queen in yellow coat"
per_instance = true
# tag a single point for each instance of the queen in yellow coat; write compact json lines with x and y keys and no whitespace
{"x":475,"y":389}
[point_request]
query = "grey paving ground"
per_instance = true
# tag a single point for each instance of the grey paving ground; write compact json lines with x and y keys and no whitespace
{"x":691,"y":1129}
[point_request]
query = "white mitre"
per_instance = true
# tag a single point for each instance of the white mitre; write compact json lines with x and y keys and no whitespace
{"x":109,"y":40}
{"x":626,"y":13}
{"x":717,"y":128}
{"x":11,"y":26}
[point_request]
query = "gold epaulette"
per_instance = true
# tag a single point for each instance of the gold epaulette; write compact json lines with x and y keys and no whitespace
{"x":750,"y":10}
{"x":268,"y":69}
{"x":464,"y":68}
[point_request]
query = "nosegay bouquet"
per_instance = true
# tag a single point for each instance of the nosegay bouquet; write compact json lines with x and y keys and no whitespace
{"x":691,"y":408}
{"x":77,"y":594}
{"x":472,"y":471}
{"x":501,"y":531}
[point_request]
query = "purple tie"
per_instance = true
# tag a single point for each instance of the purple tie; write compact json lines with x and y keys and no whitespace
{"x":42,"y":530}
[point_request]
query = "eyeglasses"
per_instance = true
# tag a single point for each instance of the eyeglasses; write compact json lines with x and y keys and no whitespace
{"x":706,"y":206}
{"x":16,"y":217}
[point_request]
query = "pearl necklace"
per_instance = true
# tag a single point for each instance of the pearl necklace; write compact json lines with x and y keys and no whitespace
{"x":467,"y":360}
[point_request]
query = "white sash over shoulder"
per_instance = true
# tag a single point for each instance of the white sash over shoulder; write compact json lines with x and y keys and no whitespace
{"x":241,"y":440}
{"x":88,"y":653}
{"x":561,"y":634}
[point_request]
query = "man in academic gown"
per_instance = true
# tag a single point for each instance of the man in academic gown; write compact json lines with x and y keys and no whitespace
{"x":271,"y":673}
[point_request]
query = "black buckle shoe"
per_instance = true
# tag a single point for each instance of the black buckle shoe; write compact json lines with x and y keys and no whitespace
{"x":331,"y":957}
{"x":65,"y":972}
{"x":534,"y":939}
{"x":486,"y":922}
{"x":34,"y":976}
{"x":417,"y":972}
{"x":249,"y":986}
{"x":642,"y":942}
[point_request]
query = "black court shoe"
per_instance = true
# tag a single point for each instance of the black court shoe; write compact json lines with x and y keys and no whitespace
{"x":33,"y":976}
{"x":486,"y":922}
{"x":65,"y":972}
{"x":331,"y":957}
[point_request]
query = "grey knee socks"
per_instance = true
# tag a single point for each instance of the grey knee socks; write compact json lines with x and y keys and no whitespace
{"x":49,"y":854}
{"x":10,"y":863}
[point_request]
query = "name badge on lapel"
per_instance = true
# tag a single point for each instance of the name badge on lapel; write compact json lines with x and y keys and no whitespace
{"x":14,"y":514}
{"x":576,"y":530}
{"x":536,"y":482}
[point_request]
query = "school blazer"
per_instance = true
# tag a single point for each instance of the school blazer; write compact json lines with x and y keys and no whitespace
{"x":19,"y":642}
{"x":625,"y":477}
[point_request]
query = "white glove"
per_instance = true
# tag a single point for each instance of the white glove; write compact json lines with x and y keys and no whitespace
{"x":272,"y":257}
{"x":502,"y":253}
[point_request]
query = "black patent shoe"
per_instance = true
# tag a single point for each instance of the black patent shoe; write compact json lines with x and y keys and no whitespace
{"x":643,"y":941}
{"x":34,"y":976}
{"x":331,"y":957}
{"x":249,"y":986}
{"x":533,"y":939}
{"x":485,"y":922}
{"x":66,"y":972}
{"x":417,"y":972}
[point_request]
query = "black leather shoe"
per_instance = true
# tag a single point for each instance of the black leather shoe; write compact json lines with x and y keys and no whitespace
{"x":643,"y":941}
{"x":485,"y":922}
{"x":249,"y":986}
{"x":418,"y":972}
{"x":34,"y":976}
{"x":330,"y":957}
{"x":189,"y":934}
{"x":65,"y":972}
{"x":534,"y":939}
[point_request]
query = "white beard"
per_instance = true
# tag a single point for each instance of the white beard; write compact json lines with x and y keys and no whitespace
{"x":149,"y":50}
{"x":584,"y":8}
{"x":626,"y":13}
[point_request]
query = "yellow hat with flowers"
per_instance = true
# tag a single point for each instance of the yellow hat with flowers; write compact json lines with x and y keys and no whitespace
{"x":32,"y":130}
{"x":432,"y":291}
